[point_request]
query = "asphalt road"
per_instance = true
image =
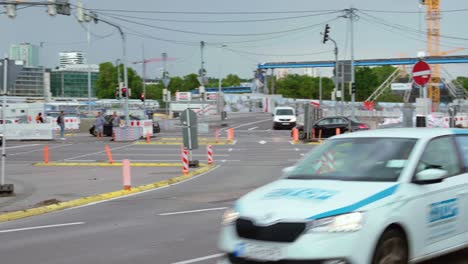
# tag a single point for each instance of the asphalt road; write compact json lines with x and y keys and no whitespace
{"x":175,"y":225}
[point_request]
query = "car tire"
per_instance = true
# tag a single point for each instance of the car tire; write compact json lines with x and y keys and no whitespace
{"x":392,"y":248}
{"x":302,"y":134}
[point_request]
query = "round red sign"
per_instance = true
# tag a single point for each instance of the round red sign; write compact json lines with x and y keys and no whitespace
{"x":421,"y":73}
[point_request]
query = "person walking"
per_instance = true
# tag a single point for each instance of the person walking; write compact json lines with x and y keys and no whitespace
{"x":61,"y":123}
{"x":99,"y":125}
{"x":39,"y":118}
{"x":115,"y":124}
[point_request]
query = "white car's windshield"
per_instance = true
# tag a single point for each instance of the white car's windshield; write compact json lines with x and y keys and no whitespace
{"x":356,"y":159}
{"x":284,"y":112}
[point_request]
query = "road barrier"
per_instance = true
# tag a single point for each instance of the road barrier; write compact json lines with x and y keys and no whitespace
{"x":185,"y":161}
{"x":295,"y":135}
{"x":320,"y":135}
{"x":146,"y":126}
{"x":209,"y":153}
{"x":46,"y":154}
{"x":217,"y":135}
{"x":148,"y":138}
{"x":127,"y":180}
{"x":337,"y":131}
{"x":109,"y":155}
{"x":230,"y":132}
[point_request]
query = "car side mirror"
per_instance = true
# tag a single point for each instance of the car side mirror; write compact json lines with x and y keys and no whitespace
{"x":431,"y":176}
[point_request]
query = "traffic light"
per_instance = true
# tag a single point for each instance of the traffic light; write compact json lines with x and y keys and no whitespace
{"x":326,"y":33}
{"x":142,"y":97}
{"x":124,"y":92}
{"x":61,"y":7}
{"x":353,"y":88}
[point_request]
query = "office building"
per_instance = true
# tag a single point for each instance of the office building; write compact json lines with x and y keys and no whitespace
{"x":24,"y":81}
{"x":71,"y":58}
{"x":71,"y":81}
{"x":26,"y":52}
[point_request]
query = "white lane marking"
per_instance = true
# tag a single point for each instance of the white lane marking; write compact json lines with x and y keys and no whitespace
{"x":199,"y":259}
{"x":40,"y":227}
{"x":164,"y":155}
{"x":263,"y":142}
{"x":268,"y":129}
{"x":235,"y":142}
{"x":22,"y":146}
{"x":230,"y":149}
{"x":194,"y":211}
{"x":135,"y":194}
{"x":36,"y":150}
{"x":296,"y":149}
{"x":252,"y":128}
{"x":89,"y":154}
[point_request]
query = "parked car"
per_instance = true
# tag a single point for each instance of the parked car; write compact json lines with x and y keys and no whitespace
{"x":328,"y":126}
{"x":108,"y":125}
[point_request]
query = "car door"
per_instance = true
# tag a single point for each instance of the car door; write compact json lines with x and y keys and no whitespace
{"x":462,"y":144}
{"x":434,"y":212}
{"x":323,"y":125}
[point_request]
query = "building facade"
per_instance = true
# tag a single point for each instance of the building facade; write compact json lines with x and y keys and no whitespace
{"x":72,"y":81}
{"x":26,"y":52}
{"x":71,"y":58}
{"x":24,"y":81}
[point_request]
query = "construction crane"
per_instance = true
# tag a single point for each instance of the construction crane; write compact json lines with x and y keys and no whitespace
{"x":144,"y":62}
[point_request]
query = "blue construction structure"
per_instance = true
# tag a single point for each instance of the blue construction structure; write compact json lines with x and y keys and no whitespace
{"x":228,"y":90}
{"x":368,"y":62}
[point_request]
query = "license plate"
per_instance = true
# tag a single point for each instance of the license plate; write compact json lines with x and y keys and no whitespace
{"x":285,"y":124}
{"x":261,"y":252}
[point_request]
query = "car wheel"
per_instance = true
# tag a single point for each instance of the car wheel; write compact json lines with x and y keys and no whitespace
{"x":392,"y":248}
{"x":302,"y":134}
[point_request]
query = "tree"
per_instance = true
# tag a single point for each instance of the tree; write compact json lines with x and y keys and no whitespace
{"x":190,"y":82}
{"x":301,"y":86}
{"x":231,"y":80}
{"x":366,"y":83}
{"x":107,"y":81}
{"x":463,"y":81}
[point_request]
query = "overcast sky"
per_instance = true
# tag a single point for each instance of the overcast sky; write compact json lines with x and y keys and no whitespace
{"x":253,"y":42}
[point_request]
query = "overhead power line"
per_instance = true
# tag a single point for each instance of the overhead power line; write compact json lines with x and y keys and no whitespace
{"x":279,"y":55}
{"x":215,"y":12}
{"x":410,"y":12}
{"x":215,"y":34}
{"x":222,"y":21}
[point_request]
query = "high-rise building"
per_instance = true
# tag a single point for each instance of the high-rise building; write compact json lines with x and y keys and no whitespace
{"x":24,"y":81}
{"x":71,"y":58}
{"x":71,"y":81}
{"x":26,"y":52}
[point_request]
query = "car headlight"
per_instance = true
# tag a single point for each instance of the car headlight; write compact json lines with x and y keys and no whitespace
{"x":341,"y":223}
{"x":294,"y":119}
{"x":230,"y":216}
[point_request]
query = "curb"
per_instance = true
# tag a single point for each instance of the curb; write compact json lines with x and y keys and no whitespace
{"x":107,"y":164}
{"x":100,"y":197}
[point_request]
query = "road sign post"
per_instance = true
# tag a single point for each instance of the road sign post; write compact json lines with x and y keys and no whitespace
{"x":190,"y":133}
{"x":421,"y":75}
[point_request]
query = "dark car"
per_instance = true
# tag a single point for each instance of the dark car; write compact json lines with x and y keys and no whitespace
{"x":108,"y":125}
{"x":328,"y":126}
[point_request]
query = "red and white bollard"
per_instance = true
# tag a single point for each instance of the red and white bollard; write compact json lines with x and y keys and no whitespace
{"x":185,"y":161}
{"x":127,"y":181}
{"x":209,"y":153}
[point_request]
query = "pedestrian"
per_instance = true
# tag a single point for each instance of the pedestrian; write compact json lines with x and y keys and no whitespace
{"x":99,"y":125}
{"x":115,"y":124}
{"x":61,"y":123}
{"x":39,"y":118}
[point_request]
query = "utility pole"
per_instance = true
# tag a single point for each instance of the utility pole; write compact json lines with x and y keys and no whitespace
{"x":4,"y":188}
{"x":89,"y":68}
{"x":320,"y":88}
{"x":351,"y":14}
{"x":201,"y":75}
{"x":144,"y":70}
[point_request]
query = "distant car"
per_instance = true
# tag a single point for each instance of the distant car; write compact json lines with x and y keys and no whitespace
{"x":328,"y":126}
{"x":372,"y":197}
{"x":108,"y":125}
{"x":284,"y":117}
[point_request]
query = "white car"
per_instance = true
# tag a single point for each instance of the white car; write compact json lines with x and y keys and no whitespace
{"x":284,"y":117}
{"x":378,"y":196}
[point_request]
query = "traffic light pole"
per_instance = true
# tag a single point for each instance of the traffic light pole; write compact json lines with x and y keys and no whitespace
{"x":336,"y":74}
{"x":124,"y":62}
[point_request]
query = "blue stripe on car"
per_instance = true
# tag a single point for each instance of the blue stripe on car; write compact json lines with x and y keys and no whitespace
{"x":351,"y":208}
{"x":460,"y":131}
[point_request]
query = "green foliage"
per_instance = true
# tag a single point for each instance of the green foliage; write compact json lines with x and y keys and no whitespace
{"x":463,"y":81}
{"x":231,"y":80}
{"x":302,"y":86}
{"x":190,"y":82}
{"x":107,"y":81}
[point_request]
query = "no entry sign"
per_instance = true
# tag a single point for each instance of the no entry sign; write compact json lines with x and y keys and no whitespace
{"x":421,"y":73}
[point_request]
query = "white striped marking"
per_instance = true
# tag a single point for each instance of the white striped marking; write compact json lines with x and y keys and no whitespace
{"x":195,"y":211}
{"x":23,"y":146}
{"x":41,"y":227}
{"x":199,"y":259}
{"x":421,"y":73}
{"x":252,"y":128}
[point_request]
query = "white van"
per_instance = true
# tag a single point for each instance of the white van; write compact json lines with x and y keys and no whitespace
{"x":284,"y":117}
